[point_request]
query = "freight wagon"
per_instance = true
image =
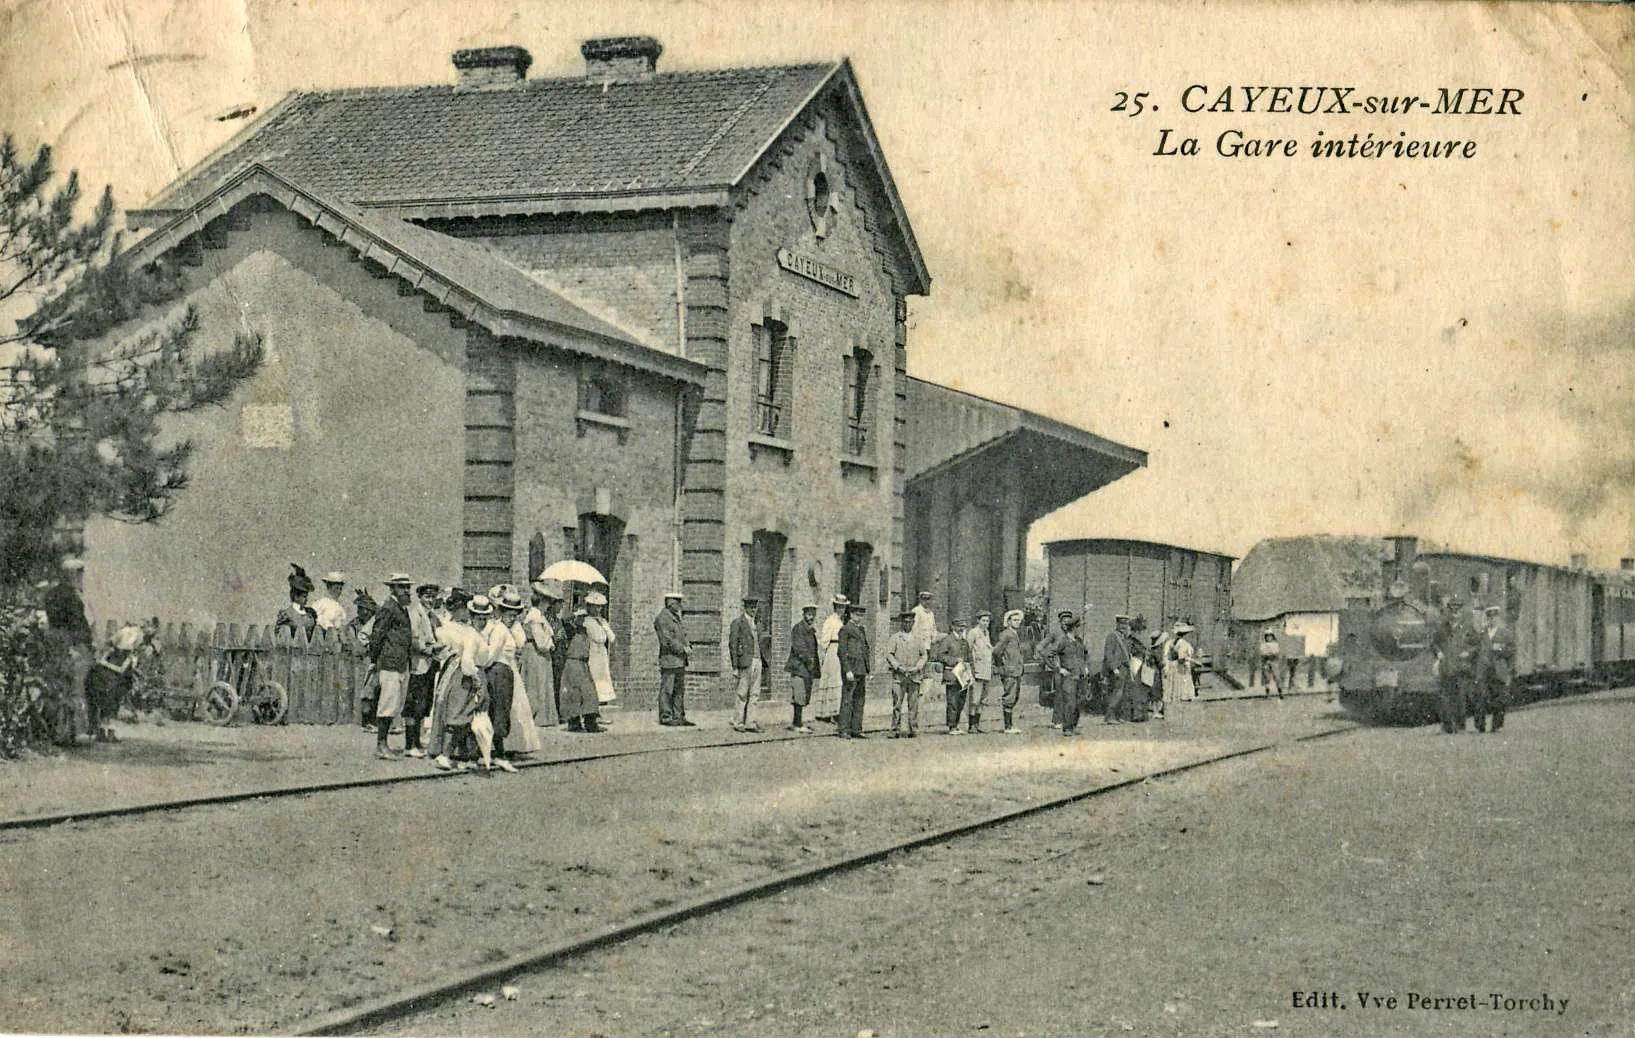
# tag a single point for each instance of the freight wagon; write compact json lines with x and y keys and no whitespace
{"x":1099,"y":578}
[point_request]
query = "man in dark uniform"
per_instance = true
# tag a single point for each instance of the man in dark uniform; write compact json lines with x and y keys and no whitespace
{"x":855,"y":657}
{"x":674,"y":652}
{"x":1448,"y":639}
{"x":1494,"y":672}
{"x":1049,"y":680}
{"x":804,"y":665}
{"x":1115,"y":670}
{"x":1069,"y":661}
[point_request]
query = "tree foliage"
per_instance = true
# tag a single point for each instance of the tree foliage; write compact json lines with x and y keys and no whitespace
{"x":81,"y":403}
{"x":80,"y":406}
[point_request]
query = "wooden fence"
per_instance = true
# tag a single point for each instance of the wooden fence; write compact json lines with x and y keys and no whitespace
{"x":322,"y":674}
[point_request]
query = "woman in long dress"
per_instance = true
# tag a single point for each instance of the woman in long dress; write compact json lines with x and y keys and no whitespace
{"x":577,"y":689}
{"x":523,"y":734}
{"x":826,"y":698}
{"x":1178,"y":683}
{"x":599,"y":633}
{"x":538,"y":672}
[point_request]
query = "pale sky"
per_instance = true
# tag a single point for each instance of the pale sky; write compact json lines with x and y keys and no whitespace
{"x":1441,"y":347}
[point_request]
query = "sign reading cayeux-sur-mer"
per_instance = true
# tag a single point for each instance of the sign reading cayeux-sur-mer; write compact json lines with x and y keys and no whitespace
{"x":822,"y":273}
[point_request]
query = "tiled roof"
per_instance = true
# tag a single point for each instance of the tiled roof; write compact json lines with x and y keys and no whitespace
{"x":673,"y":132}
{"x":468,"y":278}
{"x":1305,"y":575}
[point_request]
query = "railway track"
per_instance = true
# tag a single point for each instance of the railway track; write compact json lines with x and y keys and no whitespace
{"x":42,"y":821}
{"x":307,"y":789}
{"x":385,"y":1009}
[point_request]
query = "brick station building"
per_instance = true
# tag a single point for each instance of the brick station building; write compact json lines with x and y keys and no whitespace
{"x":653,"y":320}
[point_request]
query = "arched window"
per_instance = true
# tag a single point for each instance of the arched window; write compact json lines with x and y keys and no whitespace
{"x":858,"y":400}
{"x":772,"y":380}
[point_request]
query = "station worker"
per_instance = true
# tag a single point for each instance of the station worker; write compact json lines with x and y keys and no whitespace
{"x":327,"y":608}
{"x":1448,"y":642}
{"x":1494,"y":656}
{"x":805,"y":664}
{"x":674,"y":652}
{"x":744,"y":646}
{"x":905,"y":660}
{"x":1115,"y":670}
{"x":1010,"y":661}
{"x":981,"y":644}
{"x":1051,"y":680}
{"x":856,"y":655}
{"x":391,"y":646}
{"x":1069,"y":660}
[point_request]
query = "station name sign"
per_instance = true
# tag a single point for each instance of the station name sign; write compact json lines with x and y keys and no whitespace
{"x":822,"y":273}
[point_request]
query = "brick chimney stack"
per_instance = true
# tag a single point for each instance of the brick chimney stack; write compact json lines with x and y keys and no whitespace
{"x":620,"y":59}
{"x":487,"y":68}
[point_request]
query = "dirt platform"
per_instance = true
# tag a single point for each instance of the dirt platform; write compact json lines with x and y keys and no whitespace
{"x":1360,"y":885}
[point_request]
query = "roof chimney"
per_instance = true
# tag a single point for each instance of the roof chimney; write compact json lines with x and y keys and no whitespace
{"x":620,"y":59}
{"x":487,"y":67}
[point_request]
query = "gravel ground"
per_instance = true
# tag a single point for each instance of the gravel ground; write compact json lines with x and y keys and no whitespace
{"x":1401,"y":863}
{"x":256,"y":915}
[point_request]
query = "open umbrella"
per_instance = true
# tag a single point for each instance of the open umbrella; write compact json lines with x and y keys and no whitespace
{"x":572,"y":570}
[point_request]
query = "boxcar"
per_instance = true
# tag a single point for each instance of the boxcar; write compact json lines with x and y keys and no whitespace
{"x":1612,"y":622}
{"x":1099,"y":578}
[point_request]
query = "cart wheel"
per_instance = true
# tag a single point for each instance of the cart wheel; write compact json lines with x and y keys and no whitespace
{"x":271,"y":703}
{"x":220,"y":703}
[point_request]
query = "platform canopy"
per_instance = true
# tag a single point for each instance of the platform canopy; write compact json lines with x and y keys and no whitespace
{"x":1057,"y":463}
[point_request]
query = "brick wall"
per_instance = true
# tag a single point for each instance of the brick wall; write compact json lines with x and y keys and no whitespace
{"x":344,"y":452}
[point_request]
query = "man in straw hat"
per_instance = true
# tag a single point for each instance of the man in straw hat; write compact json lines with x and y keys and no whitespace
{"x":1009,"y":661}
{"x":391,"y":644}
{"x":805,"y":664}
{"x":674,"y":652}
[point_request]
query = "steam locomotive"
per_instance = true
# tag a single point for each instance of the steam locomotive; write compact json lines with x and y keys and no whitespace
{"x":1573,"y":629}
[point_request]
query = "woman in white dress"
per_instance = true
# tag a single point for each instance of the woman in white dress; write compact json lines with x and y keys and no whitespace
{"x":826,"y":697}
{"x":600,"y":634}
{"x":523,"y":736}
{"x":539,"y":642}
{"x":1178,"y":664}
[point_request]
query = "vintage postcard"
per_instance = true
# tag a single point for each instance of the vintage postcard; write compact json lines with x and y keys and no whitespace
{"x":473,"y":454}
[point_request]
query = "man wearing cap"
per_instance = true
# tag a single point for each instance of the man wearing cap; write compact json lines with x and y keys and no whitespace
{"x":423,"y":621}
{"x":1049,"y":679}
{"x":1494,"y":673}
{"x":905,"y":660}
{"x":1009,"y":661}
{"x":804,"y":664}
{"x":1449,"y":643}
{"x":981,"y":669}
{"x":327,"y":610}
{"x":1115,"y":670}
{"x":826,"y":706}
{"x":1069,"y":660}
{"x":674,"y":652}
{"x":391,"y":643}
{"x":855,"y":658}
{"x":744,"y":646}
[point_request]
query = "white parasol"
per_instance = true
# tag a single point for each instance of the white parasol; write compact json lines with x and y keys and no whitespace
{"x":572,"y":570}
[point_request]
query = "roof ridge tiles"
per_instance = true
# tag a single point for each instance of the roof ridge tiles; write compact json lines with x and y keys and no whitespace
{"x":534,"y":82}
